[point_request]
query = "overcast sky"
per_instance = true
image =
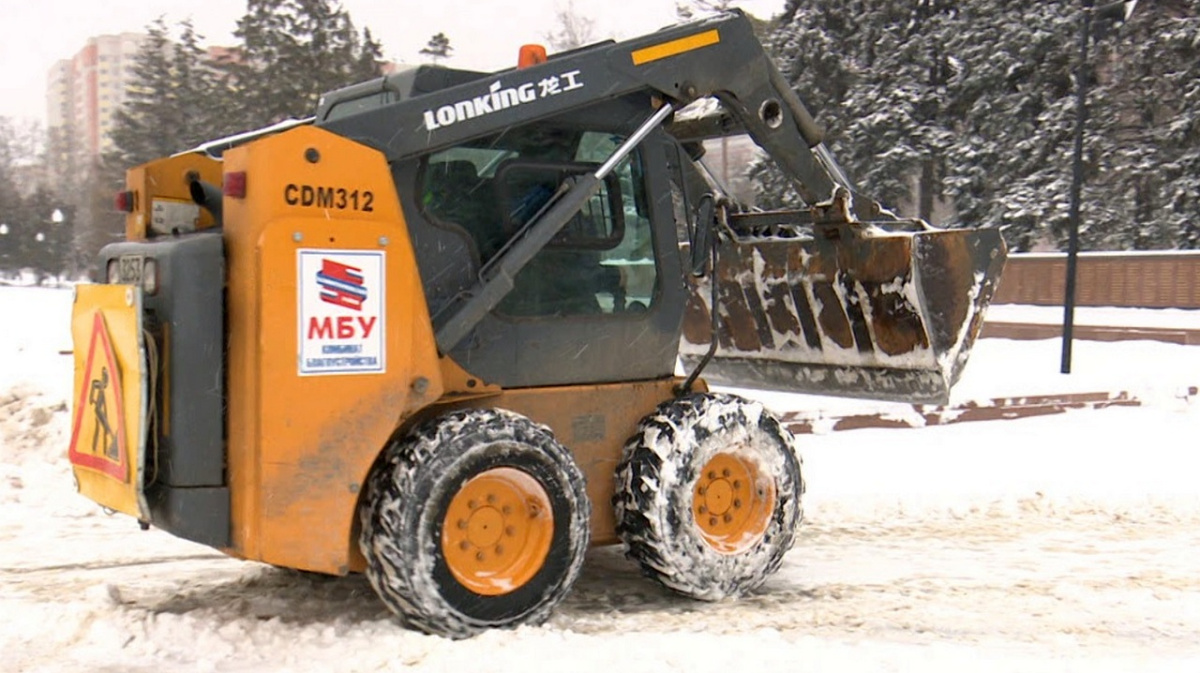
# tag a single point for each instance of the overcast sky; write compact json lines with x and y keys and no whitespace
{"x":485,"y":35}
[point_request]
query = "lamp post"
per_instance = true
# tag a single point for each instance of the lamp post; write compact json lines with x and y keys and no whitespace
{"x":1112,"y":14}
{"x":5,"y":253}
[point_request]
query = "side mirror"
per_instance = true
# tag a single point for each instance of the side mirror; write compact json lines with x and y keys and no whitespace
{"x":702,"y":234}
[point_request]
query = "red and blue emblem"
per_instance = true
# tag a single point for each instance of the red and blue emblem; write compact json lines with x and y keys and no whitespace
{"x":342,"y":285}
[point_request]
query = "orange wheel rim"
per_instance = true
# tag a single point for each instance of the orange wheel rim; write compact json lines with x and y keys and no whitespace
{"x":497,"y":531}
{"x":732,"y":503}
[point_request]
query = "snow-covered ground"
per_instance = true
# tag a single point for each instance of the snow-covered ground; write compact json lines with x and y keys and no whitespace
{"x":1059,"y":543}
{"x":1098,"y":315}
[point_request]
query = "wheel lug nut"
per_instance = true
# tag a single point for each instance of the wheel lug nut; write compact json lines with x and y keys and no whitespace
{"x":728,"y":518}
{"x":712,"y":521}
{"x":702,"y":509}
{"x":479,"y":556}
{"x":472,"y":504}
{"x":737,"y":484}
{"x":510,"y":531}
{"x":499,"y":549}
{"x":464,"y":545}
{"x":462,"y":524}
{"x":726,"y":473}
{"x":491,"y":498}
{"x":712,"y":475}
{"x":506,"y":510}
{"x":736,"y":503}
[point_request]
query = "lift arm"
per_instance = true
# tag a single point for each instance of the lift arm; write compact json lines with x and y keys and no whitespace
{"x":716,"y":57}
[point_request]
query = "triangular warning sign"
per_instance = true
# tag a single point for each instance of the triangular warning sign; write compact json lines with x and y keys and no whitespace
{"x":98,"y":429}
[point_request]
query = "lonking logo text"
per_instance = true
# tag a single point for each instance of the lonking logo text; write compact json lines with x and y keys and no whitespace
{"x":500,"y":98}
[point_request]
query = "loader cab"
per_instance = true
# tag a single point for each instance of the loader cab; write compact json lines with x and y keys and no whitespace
{"x":604,"y":300}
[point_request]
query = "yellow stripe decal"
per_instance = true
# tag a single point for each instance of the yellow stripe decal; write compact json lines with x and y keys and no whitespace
{"x":674,"y":47}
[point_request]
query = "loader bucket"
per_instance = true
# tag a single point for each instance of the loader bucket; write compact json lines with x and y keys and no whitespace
{"x":847,"y":309}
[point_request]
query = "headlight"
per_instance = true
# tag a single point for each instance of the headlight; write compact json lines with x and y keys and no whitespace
{"x":150,"y":276}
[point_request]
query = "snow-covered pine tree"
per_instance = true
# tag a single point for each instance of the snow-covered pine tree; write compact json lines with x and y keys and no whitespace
{"x":437,"y":48}
{"x":151,"y":121}
{"x":975,"y":103}
{"x":876,"y":75}
{"x":807,"y":43}
{"x":291,"y":52}
{"x":1153,"y":84}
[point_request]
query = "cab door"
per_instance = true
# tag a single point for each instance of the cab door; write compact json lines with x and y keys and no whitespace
{"x":603,"y":302}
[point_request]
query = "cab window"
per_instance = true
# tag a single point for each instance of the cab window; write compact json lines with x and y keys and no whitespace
{"x":601,"y":262}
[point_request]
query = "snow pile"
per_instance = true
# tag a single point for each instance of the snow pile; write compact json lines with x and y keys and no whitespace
{"x":1162,"y":318}
{"x":33,"y":438}
{"x":35,"y":382}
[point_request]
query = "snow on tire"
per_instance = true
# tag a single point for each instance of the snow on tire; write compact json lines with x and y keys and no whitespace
{"x":476,"y":519}
{"x":708,"y":495}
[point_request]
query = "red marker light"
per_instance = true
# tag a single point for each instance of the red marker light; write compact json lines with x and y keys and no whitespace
{"x":124,"y":201}
{"x":234,"y":185}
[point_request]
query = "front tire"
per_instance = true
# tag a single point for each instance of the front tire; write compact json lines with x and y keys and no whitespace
{"x":477,"y":519}
{"x":708,"y":495}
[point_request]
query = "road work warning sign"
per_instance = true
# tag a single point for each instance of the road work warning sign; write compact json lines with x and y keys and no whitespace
{"x":108,"y":435}
{"x":98,"y":429}
{"x":341,"y":316}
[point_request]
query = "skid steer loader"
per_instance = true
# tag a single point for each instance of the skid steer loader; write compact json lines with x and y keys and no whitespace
{"x":432,"y":333}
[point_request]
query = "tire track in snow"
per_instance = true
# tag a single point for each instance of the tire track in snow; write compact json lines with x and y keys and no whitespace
{"x":108,"y":565}
{"x":1037,"y":581}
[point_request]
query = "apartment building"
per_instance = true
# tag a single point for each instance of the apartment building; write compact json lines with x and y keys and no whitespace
{"x":84,"y":92}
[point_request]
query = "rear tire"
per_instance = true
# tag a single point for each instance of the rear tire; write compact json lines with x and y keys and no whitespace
{"x":477,"y":519}
{"x":708,"y":495}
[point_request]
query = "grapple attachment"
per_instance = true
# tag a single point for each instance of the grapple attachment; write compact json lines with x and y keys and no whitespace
{"x":883,"y":311}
